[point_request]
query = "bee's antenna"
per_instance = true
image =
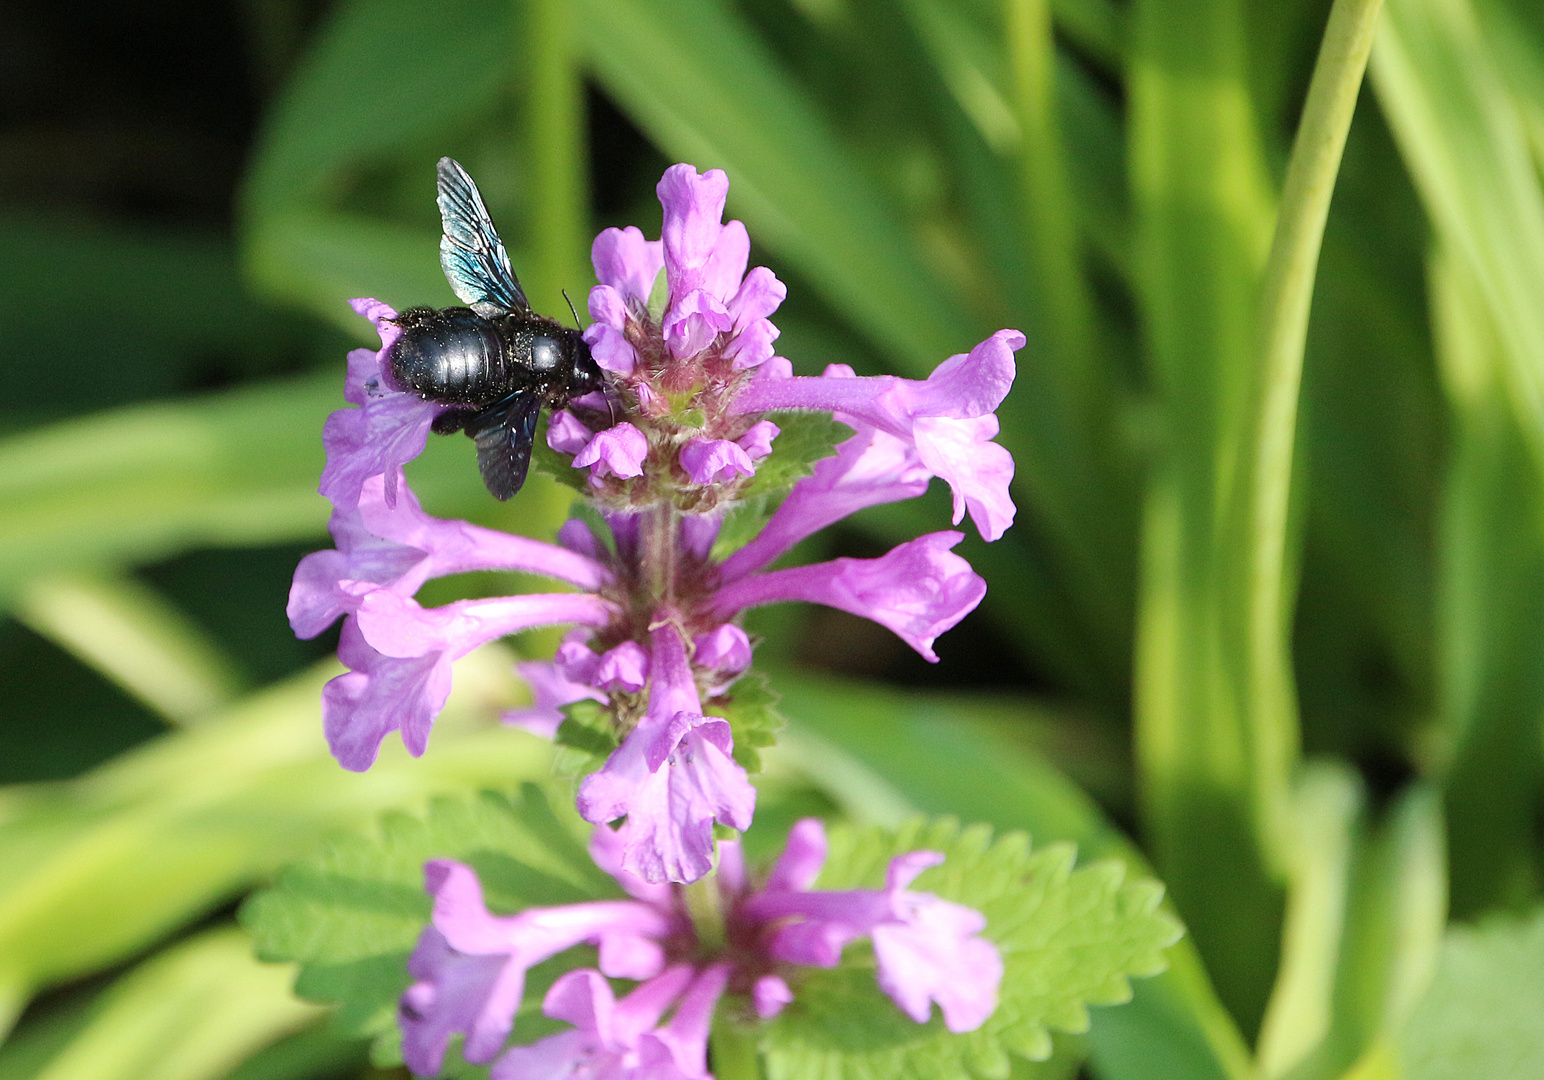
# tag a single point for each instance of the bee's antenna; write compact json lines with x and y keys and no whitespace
{"x":571,"y":307}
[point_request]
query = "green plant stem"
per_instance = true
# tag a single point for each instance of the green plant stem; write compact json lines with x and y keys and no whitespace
{"x":1271,"y":701}
{"x":556,"y":135}
{"x":733,"y":1046}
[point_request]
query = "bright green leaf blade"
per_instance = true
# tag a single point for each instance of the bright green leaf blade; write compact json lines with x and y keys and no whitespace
{"x":192,"y":1012}
{"x":1468,"y":150}
{"x":1491,"y":600}
{"x":1204,"y":210}
{"x":183,"y":823}
{"x":1328,"y":804}
{"x":1068,"y":939}
{"x":237,"y":468}
{"x":1483,"y":1015}
{"x":381,"y":73}
{"x":726,"y":104}
{"x":131,"y":634}
{"x":351,"y":914}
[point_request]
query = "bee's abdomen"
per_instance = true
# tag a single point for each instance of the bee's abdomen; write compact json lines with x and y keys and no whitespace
{"x":450,"y":355}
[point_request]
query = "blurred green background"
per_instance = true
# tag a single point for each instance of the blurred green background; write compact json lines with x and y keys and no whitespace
{"x":1272,"y":633}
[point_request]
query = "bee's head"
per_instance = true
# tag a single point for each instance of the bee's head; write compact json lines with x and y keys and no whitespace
{"x":584,"y":373}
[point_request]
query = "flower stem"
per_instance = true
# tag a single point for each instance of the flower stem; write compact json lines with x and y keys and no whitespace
{"x":734,"y":1050}
{"x":704,"y":905}
{"x":1285,"y":300}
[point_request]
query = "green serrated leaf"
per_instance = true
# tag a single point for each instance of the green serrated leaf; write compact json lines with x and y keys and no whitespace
{"x":750,"y":706}
{"x":586,"y":738}
{"x":804,"y":438}
{"x":351,"y":914}
{"x":1069,"y":938}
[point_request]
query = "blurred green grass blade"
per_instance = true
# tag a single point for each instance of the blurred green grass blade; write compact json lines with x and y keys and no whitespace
{"x":1398,"y":909}
{"x":1062,"y":430}
{"x":318,"y":260}
{"x":380,"y":74}
{"x":1328,"y":805}
{"x":175,"y":827}
{"x":1384,"y":911}
{"x":147,"y":481}
{"x":191,"y":1012}
{"x":1075,"y":393}
{"x":315,"y":1054}
{"x":1490,"y":607}
{"x":140,"y":482}
{"x":128,"y":632}
{"x":1267,"y":592}
{"x":724,"y":102}
{"x":1097,"y":26}
{"x":1466,"y":146}
{"x":556,"y":134}
{"x":1514,"y":31}
{"x":946,"y":755}
{"x":1204,"y":213}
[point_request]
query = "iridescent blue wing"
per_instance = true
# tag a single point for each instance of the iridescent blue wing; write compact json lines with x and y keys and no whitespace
{"x":471,"y":253}
{"x":503,"y":433}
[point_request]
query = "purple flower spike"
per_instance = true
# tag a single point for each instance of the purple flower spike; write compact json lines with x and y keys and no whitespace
{"x":726,"y":650}
{"x":769,"y":994}
{"x":931,"y":953}
{"x":398,"y":626}
{"x":400,"y":657}
{"x":471,"y":965}
{"x":624,"y":668}
{"x":399,"y":547}
{"x":566,"y":433}
{"x":712,"y":461}
{"x":757,"y":441}
{"x":918,"y":590}
{"x":672,"y":777}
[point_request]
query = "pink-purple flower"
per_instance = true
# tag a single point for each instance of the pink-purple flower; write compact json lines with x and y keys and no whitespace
{"x":470,"y":965}
{"x":674,"y":443}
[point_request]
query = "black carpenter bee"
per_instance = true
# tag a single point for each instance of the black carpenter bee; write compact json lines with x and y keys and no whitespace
{"x":496,"y":362}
